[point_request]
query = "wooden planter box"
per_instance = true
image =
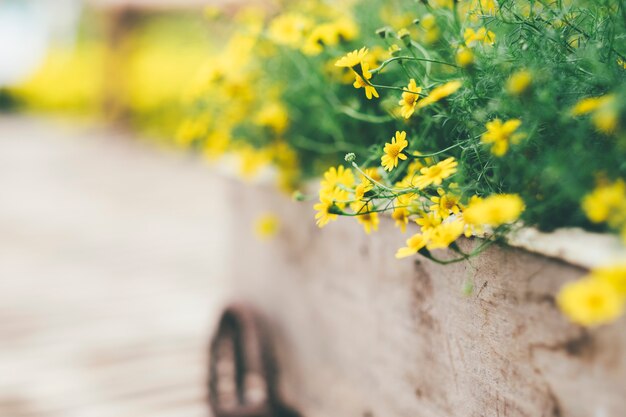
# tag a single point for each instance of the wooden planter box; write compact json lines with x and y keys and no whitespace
{"x":360,"y":333}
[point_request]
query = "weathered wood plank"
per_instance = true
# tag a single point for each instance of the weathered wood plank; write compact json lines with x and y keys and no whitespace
{"x":109,"y":274}
{"x":365,"y":334}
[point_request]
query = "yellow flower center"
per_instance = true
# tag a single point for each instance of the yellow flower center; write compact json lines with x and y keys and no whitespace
{"x":410,"y":99}
{"x":594,"y":302}
{"x":393,"y":151}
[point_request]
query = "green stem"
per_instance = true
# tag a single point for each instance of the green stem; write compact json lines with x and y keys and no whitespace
{"x":437,"y":153}
{"x":408,"y":58}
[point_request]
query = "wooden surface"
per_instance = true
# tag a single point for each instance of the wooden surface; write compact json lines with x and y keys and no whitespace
{"x":363,"y":334}
{"x":110,"y":274}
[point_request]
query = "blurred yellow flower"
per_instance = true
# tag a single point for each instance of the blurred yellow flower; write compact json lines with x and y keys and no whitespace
{"x":606,"y":119}
{"x":190,"y":130}
{"x":403,"y":33}
{"x":352,"y":59}
{"x":346,"y":28}
{"x":590,"y":104}
{"x":363,"y":83}
{"x":615,"y":275}
{"x":483,"y":35}
{"x":273,"y":115}
{"x":435,"y":174}
{"x":413,"y":245}
{"x":428,"y":221}
{"x":500,"y":135}
{"x":519,"y":82}
{"x":393,"y":151}
{"x":464,"y":57}
{"x":494,"y":210}
{"x":409,"y":99}
{"x":325,"y":34}
{"x":444,"y":234}
{"x":605,"y":116}
{"x":401,"y":216}
{"x":607,"y":202}
{"x":442,"y":3}
{"x":266,"y":226}
{"x":251,"y":161}
{"x":431,"y":33}
{"x":216,"y":143}
{"x":335,"y":177}
{"x":590,"y":302}
{"x":440,"y":92}
{"x":289,"y":29}
{"x":372,"y":173}
{"x":401,"y":211}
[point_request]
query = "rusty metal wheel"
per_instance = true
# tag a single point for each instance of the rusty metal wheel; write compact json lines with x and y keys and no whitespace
{"x":243,"y":373}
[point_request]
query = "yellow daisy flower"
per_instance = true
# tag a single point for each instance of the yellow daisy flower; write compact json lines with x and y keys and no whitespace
{"x":435,"y":174}
{"x":409,"y":100}
{"x":607,"y":202}
{"x":444,"y":234}
{"x":288,"y":29}
{"x":401,"y":211}
{"x":494,"y":210}
{"x":346,"y":28}
{"x":273,"y":115}
{"x":483,"y":35}
{"x":393,"y":151}
{"x":605,"y":116}
{"x":352,"y":59}
{"x":439,"y":93}
{"x":337,"y":176}
{"x":590,"y":104}
{"x":401,"y":216}
{"x":266,"y":226}
{"x":372,"y":173}
{"x":364,"y":186}
{"x":445,"y":204}
{"x":251,"y":161}
{"x":428,"y":222}
{"x":519,"y":82}
{"x":464,"y":57}
{"x":413,"y":245}
{"x":590,"y":302}
{"x":216,"y":144}
{"x":361,"y":82}
{"x":614,"y":275}
{"x":365,"y":217}
{"x":331,"y":202}
{"x":500,"y":135}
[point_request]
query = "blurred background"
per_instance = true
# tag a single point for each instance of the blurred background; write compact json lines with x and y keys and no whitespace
{"x":111,"y":248}
{"x":122,"y":61}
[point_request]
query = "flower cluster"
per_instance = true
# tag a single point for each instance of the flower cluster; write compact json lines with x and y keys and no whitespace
{"x":424,"y":195}
{"x":473,"y":116}
{"x":607,"y":204}
{"x":597,"y":298}
{"x":460,"y":118}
